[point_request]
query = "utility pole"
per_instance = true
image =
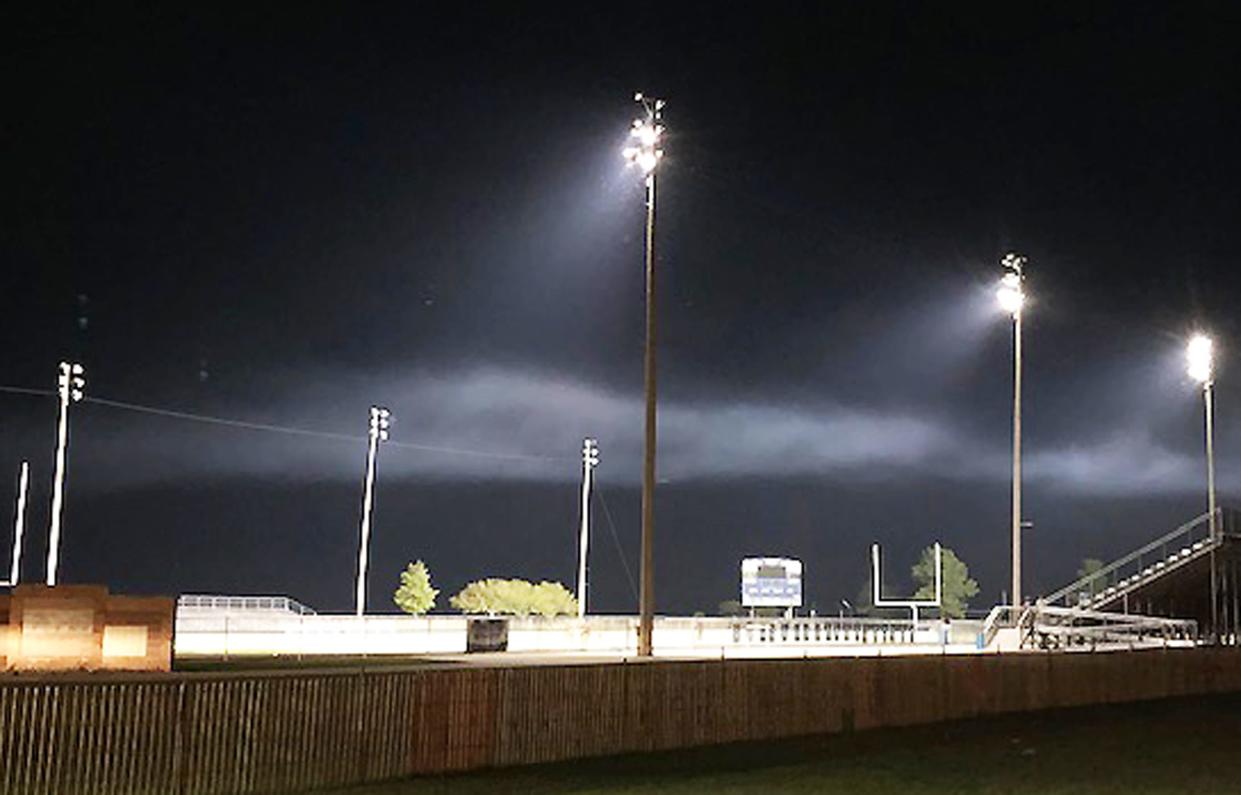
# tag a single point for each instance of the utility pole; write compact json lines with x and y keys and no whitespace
{"x":378,"y":432}
{"x":648,"y":130}
{"x":70,"y":382}
{"x":590,"y":460}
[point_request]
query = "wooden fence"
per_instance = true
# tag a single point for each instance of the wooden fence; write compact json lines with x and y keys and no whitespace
{"x":285,"y":732}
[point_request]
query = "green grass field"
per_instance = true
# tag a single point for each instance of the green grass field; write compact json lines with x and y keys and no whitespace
{"x":1179,"y":746}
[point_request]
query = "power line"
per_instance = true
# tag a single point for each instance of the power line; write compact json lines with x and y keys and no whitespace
{"x":22,"y":390}
{"x":633,"y":586}
{"x":250,"y":426}
{"x":287,"y":429}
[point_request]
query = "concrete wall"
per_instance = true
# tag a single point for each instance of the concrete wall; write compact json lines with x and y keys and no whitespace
{"x":287,"y":732}
{"x":83,"y":627}
{"x":220,"y":633}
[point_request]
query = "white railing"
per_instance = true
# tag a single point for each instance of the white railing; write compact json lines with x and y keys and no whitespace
{"x":1052,"y":627}
{"x":1188,"y":542}
{"x":279,"y":604}
{"x":1002,"y":617}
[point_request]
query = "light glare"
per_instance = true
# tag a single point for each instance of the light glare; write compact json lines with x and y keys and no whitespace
{"x":1011,"y":297}
{"x":1011,"y":294}
{"x":647,"y":131}
{"x":1198,"y":356}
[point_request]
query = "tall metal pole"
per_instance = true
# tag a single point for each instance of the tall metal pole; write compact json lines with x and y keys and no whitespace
{"x":1017,"y":459}
{"x":590,"y":458}
{"x":19,"y":523}
{"x":70,"y":384}
{"x":646,"y":601}
{"x":646,"y":155}
{"x":1011,"y":296}
{"x":1208,"y":395}
{"x":378,"y":432}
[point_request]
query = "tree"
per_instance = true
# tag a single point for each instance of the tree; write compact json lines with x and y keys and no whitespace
{"x":863,"y":603}
{"x":553,"y":599}
{"x":494,"y":596}
{"x":474,"y":598}
{"x":731,"y":607}
{"x":958,"y":586}
{"x":415,"y":594}
{"x":1091,"y":567}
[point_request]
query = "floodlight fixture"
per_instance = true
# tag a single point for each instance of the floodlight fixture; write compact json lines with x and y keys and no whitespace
{"x":1011,"y":292}
{"x":1199,"y":359}
{"x":647,"y":132}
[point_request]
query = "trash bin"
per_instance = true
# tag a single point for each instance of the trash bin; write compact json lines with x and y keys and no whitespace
{"x":486,"y":634}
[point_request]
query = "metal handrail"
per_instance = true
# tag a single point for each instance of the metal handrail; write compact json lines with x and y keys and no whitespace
{"x":1000,"y":617}
{"x":213,"y":602}
{"x":1161,"y":543}
{"x":1056,"y":626}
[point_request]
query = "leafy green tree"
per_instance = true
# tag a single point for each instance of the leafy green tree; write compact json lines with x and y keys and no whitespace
{"x":864,"y":602}
{"x":959,"y":587}
{"x":415,"y":594}
{"x":553,"y":599}
{"x":495,"y":596}
{"x":474,"y":598}
{"x":1089,"y":568}
{"x":731,"y":607}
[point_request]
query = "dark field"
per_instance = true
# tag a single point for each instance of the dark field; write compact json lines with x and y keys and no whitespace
{"x":1175,"y":746}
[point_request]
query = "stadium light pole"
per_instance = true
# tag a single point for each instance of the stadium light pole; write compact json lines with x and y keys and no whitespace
{"x":378,"y":432}
{"x":645,"y":153}
{"x":1011,"y":296}
{"x":19,"y":526}
{"x":69,"y":382}
{"x":1199,"y":359}
{"x":590,"y":460}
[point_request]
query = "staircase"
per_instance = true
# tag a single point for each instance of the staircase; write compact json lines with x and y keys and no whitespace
{"x":1110,"y":585}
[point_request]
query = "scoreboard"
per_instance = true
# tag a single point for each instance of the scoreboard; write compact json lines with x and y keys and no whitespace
{"x":771,"y":582}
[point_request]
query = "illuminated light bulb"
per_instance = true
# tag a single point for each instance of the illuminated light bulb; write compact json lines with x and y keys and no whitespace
{"x":1010,"y":295}
{"x":646,"y":132}
{"x":1198,"y":357}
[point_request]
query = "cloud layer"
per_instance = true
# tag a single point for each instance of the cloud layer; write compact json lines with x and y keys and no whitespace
{"x":491,"y":423}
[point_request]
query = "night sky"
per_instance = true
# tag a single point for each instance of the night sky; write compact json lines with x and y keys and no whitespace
{"x":285,"y":214}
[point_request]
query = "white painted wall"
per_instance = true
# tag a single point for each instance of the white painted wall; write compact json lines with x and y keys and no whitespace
{"x":217,"y":633}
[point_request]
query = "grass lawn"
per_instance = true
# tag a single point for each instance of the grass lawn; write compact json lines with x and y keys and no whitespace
{"x":1178,"y":746}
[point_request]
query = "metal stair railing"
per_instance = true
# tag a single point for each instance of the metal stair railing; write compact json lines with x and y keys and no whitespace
{"x":1065,"y":628}
{"x":1166,"y":553}
{"x":1001,"y":617}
